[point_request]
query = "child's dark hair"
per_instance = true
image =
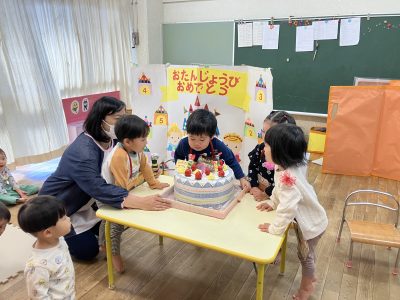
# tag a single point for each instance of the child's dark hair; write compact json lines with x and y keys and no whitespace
{"x":202,"y":121}
{"x":131,"y":127}
{"x":288,"y":145}
{"x":40,"y":213}
{"x":101,"y":108}
{"x":280,"y":117}
{"x":4,"y":212}
{"x":2,"y":152}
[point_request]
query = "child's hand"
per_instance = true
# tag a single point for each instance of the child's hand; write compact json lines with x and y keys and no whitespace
{"x":22,"y":200}
{"x":264,"y":207}
{"x":161,"y":185}
{"x":258,"y":194}
{"x":245,"y":184}
{"x":264,"y":227}
{"x":21,"y":193}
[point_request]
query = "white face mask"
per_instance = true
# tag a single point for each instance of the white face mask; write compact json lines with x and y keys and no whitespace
{"x":111,"y":132}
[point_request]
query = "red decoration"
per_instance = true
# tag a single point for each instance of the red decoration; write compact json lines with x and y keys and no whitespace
{"x":220,"y":168}
{"x":193,"y":167}
{"x":221,"y":162}
{"x":207,"y":171}
{"x":197,"y":175}
{"x":221,"y":173}
{"x":188,"y":172}
{"x":288,"y":179}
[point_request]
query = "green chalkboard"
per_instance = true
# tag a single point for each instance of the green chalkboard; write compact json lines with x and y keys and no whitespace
{"x":201,"y":43}
{"x":302,"y":84}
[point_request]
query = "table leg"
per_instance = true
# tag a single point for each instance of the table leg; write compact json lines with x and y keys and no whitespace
{"x":109,"y":257}
{"x":260,"y":281}
{"x":160,"y":240}
{"x":283,"y":254}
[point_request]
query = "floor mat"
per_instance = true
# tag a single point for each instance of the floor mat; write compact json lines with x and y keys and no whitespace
{"x":15,"y":249}
{"x":36,"y":172}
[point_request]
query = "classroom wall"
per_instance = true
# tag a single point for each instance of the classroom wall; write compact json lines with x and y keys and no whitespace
{"x":149,"y":19}
{"x":199,"y":11}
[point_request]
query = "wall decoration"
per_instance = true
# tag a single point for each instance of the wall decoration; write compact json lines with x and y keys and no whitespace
{"x":227,"y":91}
{"x":144,"y":85}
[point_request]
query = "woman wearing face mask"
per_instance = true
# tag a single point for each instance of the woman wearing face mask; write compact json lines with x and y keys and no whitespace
{"x":78,"y":182}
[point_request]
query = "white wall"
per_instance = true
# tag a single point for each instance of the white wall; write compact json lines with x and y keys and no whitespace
{"x":155,"y":14}
{"x":149,"y":16}
{"x":222,"y":10}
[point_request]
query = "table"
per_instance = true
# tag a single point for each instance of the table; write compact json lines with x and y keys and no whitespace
{"x":236,"y":235}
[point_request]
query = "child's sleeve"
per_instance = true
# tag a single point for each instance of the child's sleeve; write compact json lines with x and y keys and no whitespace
{"x":289,"y":197}
{"x":37,"y":282}
{"x":273,"y":199}
{"x":230,"y":159}
{"x":180,"y":151}
{"x":253,"y":156}
{"x":147,"y":172}
{"x":11,"y":180}
{"x":119,"y":169}
{"x":270,"y":189}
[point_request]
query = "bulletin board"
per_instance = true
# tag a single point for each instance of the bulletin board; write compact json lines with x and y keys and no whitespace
{"x":302,"y":84}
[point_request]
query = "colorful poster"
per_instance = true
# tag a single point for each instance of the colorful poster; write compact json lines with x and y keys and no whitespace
{"x":76,"y":110}
{"x":229,"y":92}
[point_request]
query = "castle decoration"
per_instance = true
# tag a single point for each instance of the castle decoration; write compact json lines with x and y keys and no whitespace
{"x":197,"y":103}
{"x":260,"y":90}
{"x":147,"y":152}
{"x":161,"y":116}
{"x":150,"y":127}
{"x":144,"y":85}
{"x":249,"y":129}
{"x":194,"y":107}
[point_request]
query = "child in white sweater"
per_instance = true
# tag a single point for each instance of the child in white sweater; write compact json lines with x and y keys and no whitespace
{"x":49,"y":271}
{"x":294,"y":199}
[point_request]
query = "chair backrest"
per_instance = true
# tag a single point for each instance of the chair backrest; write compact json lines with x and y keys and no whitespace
{"x":373,"y":198}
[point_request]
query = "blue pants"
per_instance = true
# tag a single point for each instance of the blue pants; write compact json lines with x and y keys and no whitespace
{"x":84,"y":246}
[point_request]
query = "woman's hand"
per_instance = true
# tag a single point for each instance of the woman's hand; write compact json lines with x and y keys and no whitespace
{"x":264,"y":227}
{"x":154,"y":202}
{"x":264,"y":207}
{"x":258,"y":194}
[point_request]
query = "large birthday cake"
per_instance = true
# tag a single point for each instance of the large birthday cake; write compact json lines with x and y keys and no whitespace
{"x":207,"y":184}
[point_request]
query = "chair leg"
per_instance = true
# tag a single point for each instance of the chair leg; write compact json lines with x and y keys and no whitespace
{"x":349,"y":263}
{"x":340,"y":231}
{"x":396,"y":264}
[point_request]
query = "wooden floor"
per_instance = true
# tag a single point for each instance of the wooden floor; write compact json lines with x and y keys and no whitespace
{"x":180,"y":271}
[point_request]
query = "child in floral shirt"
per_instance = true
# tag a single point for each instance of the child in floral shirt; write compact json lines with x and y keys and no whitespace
{"x":294,"y":199}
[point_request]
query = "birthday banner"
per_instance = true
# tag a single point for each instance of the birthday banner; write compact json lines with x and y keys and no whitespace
{"x":207,"y":81}
{"x":239,"y":97}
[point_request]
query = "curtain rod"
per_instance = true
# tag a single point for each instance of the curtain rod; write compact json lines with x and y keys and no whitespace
{"x":293,"y":18}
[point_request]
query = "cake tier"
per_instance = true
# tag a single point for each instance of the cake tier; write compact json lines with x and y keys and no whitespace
{"x":215,"y":193}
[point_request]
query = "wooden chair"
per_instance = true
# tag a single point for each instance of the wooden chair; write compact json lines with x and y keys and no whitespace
{"x":371,"y":232}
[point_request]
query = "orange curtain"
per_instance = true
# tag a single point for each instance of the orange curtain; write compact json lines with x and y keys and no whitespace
{"x":363,"y":126}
